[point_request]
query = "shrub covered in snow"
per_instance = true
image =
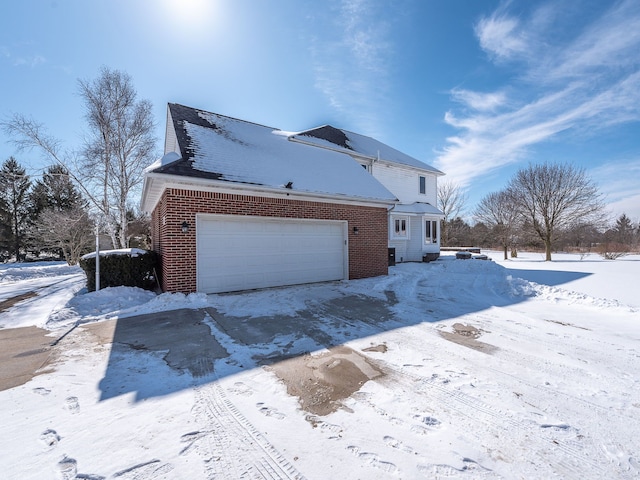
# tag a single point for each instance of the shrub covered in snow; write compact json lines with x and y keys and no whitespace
{"x":126,"y":267}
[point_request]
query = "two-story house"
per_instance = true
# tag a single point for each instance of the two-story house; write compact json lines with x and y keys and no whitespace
{"x":414,"y":220}
{"x":236,"y":206}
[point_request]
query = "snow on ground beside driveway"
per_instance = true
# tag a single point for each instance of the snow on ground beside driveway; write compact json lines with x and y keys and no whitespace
{"x":41,"y":287}
{"x":504,"y":369}
{"x":582,"y":274}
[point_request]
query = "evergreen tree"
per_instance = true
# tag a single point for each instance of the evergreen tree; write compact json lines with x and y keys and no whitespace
{"x":55,"y":191}
{"x":16,"y":208}
{"x":623,"y":230}
{"x":5,"y":230}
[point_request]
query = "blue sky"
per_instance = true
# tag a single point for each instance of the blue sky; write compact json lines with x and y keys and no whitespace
{"x":475,"y":88}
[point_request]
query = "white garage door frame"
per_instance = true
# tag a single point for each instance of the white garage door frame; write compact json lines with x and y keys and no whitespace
{"x":282,"y":251}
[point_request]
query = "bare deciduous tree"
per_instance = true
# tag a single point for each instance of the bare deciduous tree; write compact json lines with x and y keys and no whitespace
{"x":119,"y":145}
{"x":451,"y":201}
{"x":555,"y":197}
{"x":498,"y":211}
{"x":70,"y":231}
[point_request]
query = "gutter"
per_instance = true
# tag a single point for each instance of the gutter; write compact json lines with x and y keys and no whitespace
{"x":224,"y":186}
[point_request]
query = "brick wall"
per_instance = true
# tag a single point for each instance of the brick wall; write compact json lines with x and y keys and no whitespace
{"x":367,"y":249}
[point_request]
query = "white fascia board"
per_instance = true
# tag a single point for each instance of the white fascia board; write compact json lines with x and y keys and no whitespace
{"x":371,"y":160}
{"x":147,"y":204}
{"x":163,"y":181}
{"x":409,"y":168}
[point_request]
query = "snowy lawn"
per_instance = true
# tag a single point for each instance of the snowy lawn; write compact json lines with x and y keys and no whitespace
{"x":479,"y":369}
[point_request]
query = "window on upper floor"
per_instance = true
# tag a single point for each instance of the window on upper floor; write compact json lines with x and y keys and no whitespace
{"x":423,"y":185}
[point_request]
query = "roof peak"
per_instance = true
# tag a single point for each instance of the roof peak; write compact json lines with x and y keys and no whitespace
{"x":198,"y":111}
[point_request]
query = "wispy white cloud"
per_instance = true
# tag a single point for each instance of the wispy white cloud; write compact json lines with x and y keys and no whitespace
{"x":31,"y":61}
{"x":479,"y":101}
{"x":500,"y":36}
{"x":574,"y":84}
{"x":618,"y":181}
{"x":351,"y":69}
{"x":610,"y":43}
{"x":19,"y":60}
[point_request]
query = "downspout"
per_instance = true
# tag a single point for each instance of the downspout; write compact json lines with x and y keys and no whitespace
{"x":374,"y":161}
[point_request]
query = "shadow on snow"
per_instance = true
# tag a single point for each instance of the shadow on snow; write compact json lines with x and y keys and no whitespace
{"x":548,"y":277}
{"x":161,"y":353}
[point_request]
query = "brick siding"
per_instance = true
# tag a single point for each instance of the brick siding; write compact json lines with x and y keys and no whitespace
{"x":367,"y":249}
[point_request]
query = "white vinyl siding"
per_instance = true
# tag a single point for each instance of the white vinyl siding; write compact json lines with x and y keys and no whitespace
{"x":401,"y":249}
{"x":170,"y":138}
{"x":399,"y":227}
{"x":403,"y":182}
{"x":241,"y":253}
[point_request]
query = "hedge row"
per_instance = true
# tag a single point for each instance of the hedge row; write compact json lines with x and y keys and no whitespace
{"x":122,"y":270}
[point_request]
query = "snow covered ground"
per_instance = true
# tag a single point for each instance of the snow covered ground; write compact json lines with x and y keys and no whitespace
{"x":481,"y":369}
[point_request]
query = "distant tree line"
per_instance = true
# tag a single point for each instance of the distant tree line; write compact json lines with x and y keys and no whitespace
{"x":546,"y":207}
{"x":95,"y":185}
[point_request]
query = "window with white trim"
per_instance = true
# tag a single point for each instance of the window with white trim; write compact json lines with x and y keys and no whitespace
{"x":400,"y":225}
{"x":423,"y":184}
{"x":430,"y":231}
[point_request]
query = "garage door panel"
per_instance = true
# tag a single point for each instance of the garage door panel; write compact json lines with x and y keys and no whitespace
{"x":238,"y":253}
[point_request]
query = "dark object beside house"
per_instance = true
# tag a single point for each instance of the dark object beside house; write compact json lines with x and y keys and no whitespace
{"x":392,"y":257}
{"x":430,"y":257}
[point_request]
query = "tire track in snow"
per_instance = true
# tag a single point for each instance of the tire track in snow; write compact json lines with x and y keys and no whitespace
{"x":231,"y":445}
{"x":590,"y":443}
{"x":571,"y":458}
{"x":574,"y":462}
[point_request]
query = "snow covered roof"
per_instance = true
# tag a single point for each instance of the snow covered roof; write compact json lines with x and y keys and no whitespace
{"x":354,"y":143}
{"x":417,"y":208}
{"x":226,"y":149}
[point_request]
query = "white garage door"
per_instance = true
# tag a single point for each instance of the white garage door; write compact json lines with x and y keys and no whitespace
{"x":241,"y":253}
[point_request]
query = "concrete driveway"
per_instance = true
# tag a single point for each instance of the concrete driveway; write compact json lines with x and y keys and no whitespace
{"x":24,"y":353}
{"x":186,"y":340}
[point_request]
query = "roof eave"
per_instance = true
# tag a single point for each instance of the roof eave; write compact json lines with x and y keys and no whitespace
{"x":373,"y":159}
{"x":150,"y":198}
